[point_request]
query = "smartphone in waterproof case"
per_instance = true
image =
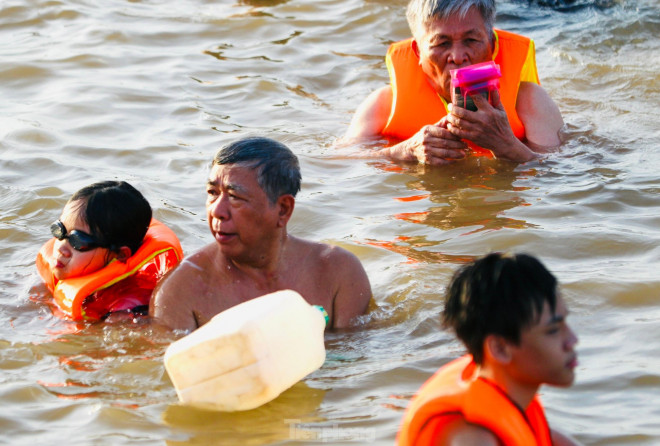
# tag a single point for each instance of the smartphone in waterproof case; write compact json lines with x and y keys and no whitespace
{"x":480,"y":78}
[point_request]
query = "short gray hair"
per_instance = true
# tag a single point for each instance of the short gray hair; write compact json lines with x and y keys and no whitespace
{"x":278,"y":170}
{"x":420,"y":13}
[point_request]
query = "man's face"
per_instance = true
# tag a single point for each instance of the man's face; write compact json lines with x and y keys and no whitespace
{"x":546,"y":352}
{"x":449,"y":44}
{"x":240,"y":216}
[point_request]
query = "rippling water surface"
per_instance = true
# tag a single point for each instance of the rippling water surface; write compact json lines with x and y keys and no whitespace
{"x":146,"y":91}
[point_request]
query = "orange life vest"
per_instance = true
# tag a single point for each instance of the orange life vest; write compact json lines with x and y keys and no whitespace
{"x":118,"y":285}
{"x":415,"y":103}
{"x":456,"y":391}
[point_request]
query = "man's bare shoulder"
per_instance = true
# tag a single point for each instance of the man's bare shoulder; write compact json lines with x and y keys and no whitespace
{"x":200,"y":264}
{"x":329,"y":257}
{"x":462,"y":433}
{"x":176,"y":295}
{"x":340,"y":273}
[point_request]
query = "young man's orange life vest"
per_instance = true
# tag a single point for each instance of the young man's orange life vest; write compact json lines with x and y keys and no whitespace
{"x":415,"y":103}
{"x":118,"y":285}
{"x":456,"y":391}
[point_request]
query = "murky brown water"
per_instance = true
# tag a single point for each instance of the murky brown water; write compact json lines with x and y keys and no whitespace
{"x":146,"y":91}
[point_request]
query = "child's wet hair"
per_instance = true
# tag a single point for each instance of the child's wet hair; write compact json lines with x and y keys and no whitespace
{"x":117,"y":214}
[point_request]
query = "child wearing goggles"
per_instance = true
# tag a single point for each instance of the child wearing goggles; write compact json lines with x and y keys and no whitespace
{"x":103,"y":223}
{"x":100,"y":222}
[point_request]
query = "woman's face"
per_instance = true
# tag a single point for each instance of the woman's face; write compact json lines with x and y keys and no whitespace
{"x":69,"y":262}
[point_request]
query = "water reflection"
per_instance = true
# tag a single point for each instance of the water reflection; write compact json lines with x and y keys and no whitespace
{"x":281,"y":419}
{"x":471,"y":194}
{"x":465,"y":198}
{"x":90,"y":360}
{"x":259,"y":3}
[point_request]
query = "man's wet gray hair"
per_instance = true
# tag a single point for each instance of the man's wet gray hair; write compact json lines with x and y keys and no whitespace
{"x":421,"y":13}
{"x":278,"y":170}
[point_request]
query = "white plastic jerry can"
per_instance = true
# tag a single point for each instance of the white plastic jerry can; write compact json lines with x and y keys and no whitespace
{"x":249,"y":354}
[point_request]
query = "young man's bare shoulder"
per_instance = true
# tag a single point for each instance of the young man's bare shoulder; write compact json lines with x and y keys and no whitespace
{"x":462,"y":433}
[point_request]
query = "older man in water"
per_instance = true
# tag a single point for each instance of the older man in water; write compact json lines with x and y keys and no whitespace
{"x":250,"y":198}
{"x":520,"y":121}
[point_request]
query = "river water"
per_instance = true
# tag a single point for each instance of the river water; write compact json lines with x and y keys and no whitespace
{"x":146,"y":91}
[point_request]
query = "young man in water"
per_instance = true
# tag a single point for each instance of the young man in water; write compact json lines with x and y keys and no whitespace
{"x":250,"y":198}
{"x":507,"y":311}
{"x":520,"y":121}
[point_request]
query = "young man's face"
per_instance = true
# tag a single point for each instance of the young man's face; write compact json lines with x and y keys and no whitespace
{"x":454,"y":43}
{"x":546,"y":352}
{"x":240,"y":216}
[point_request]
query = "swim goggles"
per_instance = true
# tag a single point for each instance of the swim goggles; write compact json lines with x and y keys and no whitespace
{"x":80,"y":241}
